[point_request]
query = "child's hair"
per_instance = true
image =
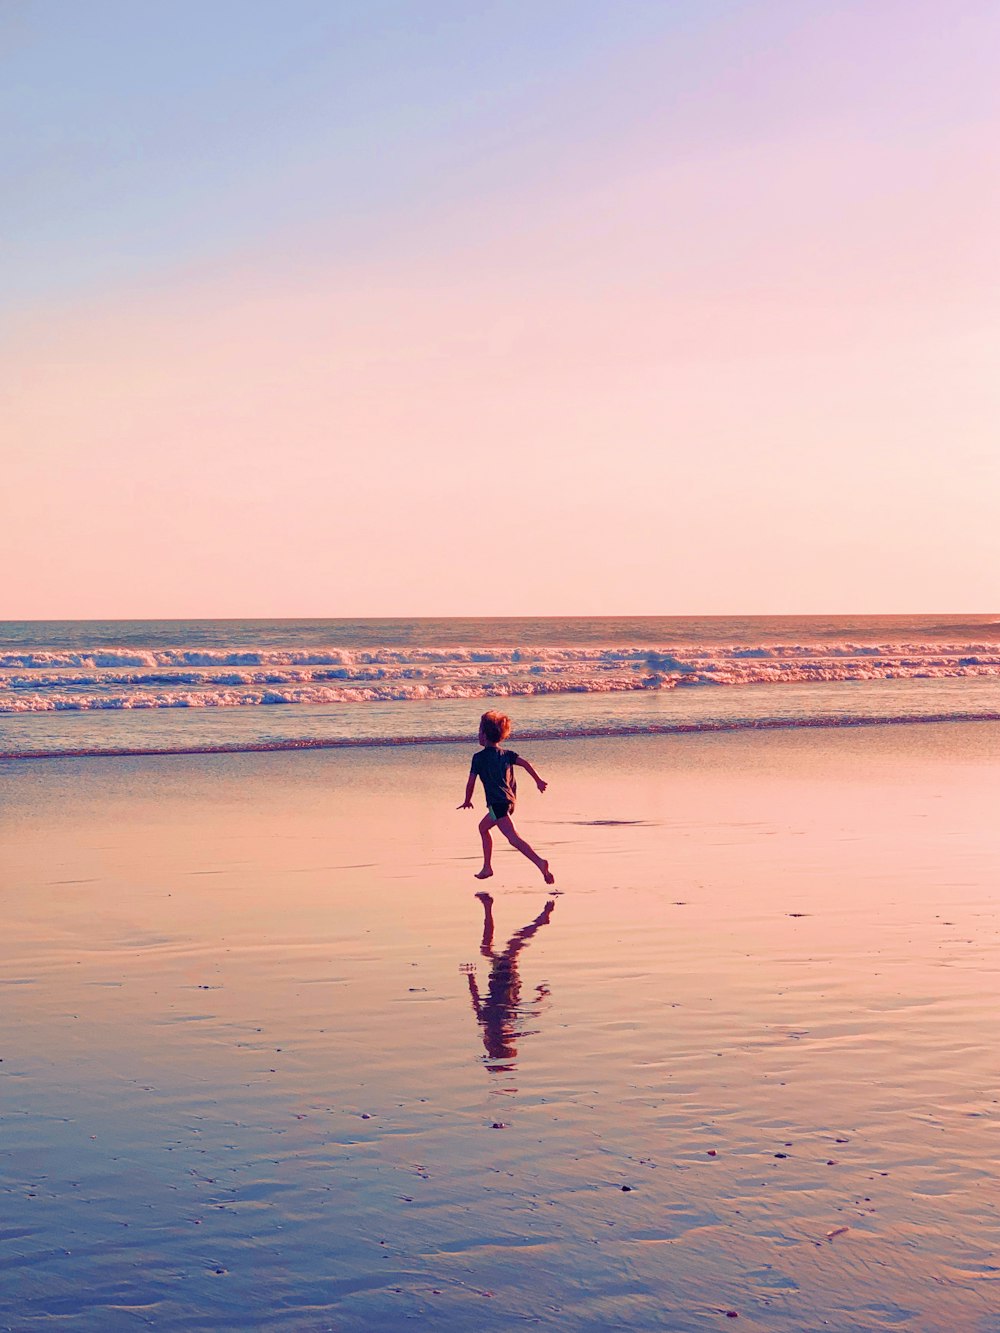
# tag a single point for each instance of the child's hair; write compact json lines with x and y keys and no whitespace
{"x":495,"y":727}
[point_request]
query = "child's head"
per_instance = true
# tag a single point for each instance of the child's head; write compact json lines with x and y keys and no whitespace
{"x":493,"y":728}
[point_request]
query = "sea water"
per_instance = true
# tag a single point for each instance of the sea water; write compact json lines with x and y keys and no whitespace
{"x":93,"y":687}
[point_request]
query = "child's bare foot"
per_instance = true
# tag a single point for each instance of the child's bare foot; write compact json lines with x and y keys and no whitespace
{"x":485,"y":898}
{"x":485,"y":873}
{"x":547,"y":874}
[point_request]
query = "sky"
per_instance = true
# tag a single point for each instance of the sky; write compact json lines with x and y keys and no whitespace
{"x":381,"y":308}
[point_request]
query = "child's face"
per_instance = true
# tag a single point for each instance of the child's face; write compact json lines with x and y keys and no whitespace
{"x":482,"y":736}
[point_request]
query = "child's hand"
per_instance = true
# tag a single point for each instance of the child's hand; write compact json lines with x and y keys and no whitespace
{"x":466,"y":805}
{"x":541,"y":784}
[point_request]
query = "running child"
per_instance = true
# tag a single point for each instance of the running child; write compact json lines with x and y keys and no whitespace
{"x":496,"y":769}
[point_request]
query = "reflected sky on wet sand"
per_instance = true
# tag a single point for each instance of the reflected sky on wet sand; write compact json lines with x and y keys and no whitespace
{"x":268,"y":1060}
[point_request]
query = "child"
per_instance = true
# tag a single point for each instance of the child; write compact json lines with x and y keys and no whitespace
{"x":496,"y":768}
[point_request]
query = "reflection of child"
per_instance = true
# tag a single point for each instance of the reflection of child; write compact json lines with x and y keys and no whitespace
{"x":500,"y":1011}
{"x":496,"y":769}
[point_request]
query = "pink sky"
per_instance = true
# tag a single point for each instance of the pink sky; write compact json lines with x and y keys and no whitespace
{"x":717,"y":333}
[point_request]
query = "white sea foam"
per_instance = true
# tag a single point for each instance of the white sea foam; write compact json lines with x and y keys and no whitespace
{"x":668,"y":658}
{"x":110,"y":678}
{"x":60,"y":701}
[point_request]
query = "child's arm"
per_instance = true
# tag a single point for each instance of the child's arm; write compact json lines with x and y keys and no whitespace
{"x":523,"y":763}
{"x":469,"y":788}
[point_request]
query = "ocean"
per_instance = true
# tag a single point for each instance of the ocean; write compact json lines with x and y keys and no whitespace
{"x":176,"y":686}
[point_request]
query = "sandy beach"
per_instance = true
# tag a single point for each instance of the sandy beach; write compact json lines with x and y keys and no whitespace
{"x":263,"y":1069}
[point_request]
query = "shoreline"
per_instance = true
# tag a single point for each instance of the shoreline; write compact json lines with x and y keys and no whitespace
{"x":703,"y":727}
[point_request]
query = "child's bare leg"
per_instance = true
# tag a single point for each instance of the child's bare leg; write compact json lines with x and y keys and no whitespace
{"x":506,"y":827}
{"x":485,"y":824}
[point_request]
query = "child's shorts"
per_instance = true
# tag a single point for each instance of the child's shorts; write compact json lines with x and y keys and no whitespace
{"x":499,"y":809}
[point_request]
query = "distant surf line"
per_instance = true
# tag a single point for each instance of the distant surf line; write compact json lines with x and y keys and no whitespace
{"x":545,"y":734}
{"x":133,"y":679}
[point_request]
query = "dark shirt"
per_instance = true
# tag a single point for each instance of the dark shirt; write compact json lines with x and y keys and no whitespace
{"x":496,"y":768}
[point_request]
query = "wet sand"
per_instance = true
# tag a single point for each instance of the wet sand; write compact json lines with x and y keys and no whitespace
{"x":268,"y":1062}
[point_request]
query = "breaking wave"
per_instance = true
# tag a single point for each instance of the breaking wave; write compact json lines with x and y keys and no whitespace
{"x":39,"y":681}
